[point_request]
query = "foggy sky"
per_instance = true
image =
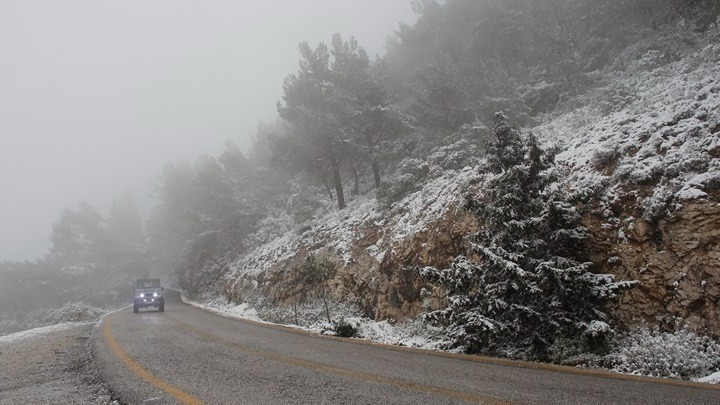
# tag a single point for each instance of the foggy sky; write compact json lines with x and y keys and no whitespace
{"x":96,"y":96}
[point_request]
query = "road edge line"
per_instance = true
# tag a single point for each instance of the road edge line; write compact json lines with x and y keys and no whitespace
{"x":599,"y":373}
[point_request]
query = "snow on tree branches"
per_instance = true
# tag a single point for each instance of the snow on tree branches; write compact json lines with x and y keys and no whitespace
{"x":524,"y":286}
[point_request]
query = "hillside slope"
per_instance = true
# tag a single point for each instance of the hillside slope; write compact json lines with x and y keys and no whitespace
{"x":649,"y":162}
{"x":642,"y":147}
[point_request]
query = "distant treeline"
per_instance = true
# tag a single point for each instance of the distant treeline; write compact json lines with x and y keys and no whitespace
{"x":92,"y":261}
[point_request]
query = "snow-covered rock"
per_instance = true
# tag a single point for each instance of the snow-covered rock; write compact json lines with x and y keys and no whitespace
{"x":648,"y":170}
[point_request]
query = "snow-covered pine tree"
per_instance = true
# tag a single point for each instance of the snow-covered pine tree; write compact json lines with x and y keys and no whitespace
{"x":530,"y":287}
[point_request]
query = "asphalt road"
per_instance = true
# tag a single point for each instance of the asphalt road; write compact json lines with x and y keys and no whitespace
{"x":187,"y":355}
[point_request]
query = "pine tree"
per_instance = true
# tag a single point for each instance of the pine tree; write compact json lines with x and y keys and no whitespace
{"x":78,"y":235}
{"x":530,"y":286}
{"x":368,"y":114}
{"x":313,"y":105}
{"x":442,"y":101}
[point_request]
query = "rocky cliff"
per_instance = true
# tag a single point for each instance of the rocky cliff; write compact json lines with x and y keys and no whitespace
{"x":651,"y":174}
{"x":676,"y":260}
{"x":642,"y":149}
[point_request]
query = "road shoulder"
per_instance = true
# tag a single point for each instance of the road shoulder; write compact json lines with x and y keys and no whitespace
{"x":51,"y":365}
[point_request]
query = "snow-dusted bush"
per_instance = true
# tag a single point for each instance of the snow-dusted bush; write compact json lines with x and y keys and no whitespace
{"x":597,"y":336}
{"x":275,"y":314}
{"x":272,"y":227}
{"x":682,"y":354}
{"x":309,"y":314}
{"x":407,"y":179}
{"x":73,"y":312}
{"x":303,"y":205}
{"x":455,"y":156}
{"x":659,"y":204}
{"x":344,"y":328}
{"x":605,"y":158}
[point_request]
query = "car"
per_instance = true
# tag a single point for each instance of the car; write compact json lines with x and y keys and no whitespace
{"x":148,"y":293}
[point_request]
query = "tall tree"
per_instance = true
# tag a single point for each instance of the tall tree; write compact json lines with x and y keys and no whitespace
{"x":233,"y":160}
{"x":531,"y":285}
{"x":261,"y":149}
{"x":442,"y":101}
{"x":312,"y":106}
{"x":369,"y":114}
{"x":78,"y":234}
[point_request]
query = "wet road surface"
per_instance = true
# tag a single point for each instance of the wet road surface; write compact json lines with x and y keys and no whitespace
{"x":188,"y":355}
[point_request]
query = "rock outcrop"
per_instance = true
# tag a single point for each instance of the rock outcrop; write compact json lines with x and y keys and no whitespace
{"x":676,"y":261}
{"x":378,"y":276}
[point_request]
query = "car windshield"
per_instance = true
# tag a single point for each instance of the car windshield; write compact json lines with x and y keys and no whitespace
{"x":148,"y":284}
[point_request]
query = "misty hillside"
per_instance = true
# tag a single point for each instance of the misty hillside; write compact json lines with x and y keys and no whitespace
{"x":529,"y":179}
{"x":625,"y":121}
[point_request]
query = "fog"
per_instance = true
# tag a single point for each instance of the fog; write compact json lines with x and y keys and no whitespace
{"x":96,"y":96}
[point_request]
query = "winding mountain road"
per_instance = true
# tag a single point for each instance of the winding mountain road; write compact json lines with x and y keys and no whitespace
{"x":190,"y":356}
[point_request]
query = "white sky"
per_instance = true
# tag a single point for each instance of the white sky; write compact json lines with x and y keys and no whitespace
{"x":95,"y":96}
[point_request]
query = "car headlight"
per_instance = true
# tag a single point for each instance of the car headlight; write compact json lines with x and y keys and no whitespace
{"x":142,"y":295}
{"x":155,"y":295}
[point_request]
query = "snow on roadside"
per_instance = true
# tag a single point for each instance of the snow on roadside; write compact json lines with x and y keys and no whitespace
{"x":242,"y":311}
{"x":410,"y":334}
{"x":713,"y":378}
{"x":36,"y":332}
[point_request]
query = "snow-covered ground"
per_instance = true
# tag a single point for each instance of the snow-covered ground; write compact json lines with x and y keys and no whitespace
{"x":652,"y":124}
{"x":51,"y":365}
{"x":338,"y":230}
{"x":713,"y":378}
{"x":409,"y":333}
{"x":36,"y":332}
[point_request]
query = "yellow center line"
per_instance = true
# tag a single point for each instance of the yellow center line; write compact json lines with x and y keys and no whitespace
{"x":357,"y":375}
{"x":177,"y":393}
